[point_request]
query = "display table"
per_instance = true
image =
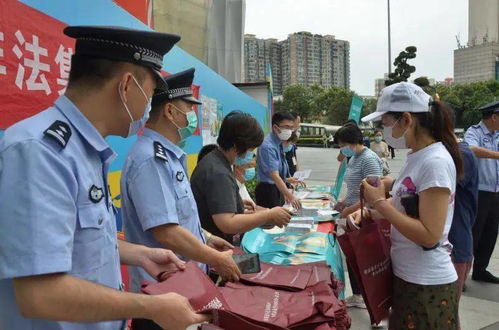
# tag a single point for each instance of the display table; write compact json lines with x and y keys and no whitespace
{"x":310,"y":236}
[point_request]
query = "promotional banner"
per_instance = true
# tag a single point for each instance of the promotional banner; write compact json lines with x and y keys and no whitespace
{"x":34,"y":62}
{"x":270,"y":102}
{"x":355,"y":112}
{"x":356,"y":108}
{"x":336,"y":189}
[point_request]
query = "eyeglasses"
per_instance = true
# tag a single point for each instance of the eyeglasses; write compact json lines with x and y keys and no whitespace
{"x":286,"y":127}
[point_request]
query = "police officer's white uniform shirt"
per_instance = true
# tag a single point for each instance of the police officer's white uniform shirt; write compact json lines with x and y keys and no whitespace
{"x":55,"y":212}
{"x":488,"y":168}
{"x":155,"y":191}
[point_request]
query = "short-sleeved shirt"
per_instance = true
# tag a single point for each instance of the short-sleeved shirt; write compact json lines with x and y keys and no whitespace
{"x":359,"y":167}
{"x":270,"y":157}
{"x":155,"y":191}
{"x":460,"y":234}
{"x":56,"y":215}
{"x":488,"y":168}
{"x":431,"y":167}
{"x":216,"y":191}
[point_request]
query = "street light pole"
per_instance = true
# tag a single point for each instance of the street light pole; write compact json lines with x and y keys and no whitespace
{"x":389,"y":42}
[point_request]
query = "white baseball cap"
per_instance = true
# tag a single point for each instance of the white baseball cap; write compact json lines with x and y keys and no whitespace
{"x":400,"y":97}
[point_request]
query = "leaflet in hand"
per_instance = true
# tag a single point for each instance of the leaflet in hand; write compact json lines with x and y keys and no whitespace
{"x":302,"y":175}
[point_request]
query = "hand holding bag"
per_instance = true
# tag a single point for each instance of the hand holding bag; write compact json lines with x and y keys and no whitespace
{"x":367,"y":252}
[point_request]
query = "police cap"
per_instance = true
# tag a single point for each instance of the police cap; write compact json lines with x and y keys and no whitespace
{"x":179,"y":87}
{"x":145,"y":48}
{"x":490,"y":107}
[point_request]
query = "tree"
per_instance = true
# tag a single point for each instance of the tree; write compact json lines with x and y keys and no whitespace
{"x":403,"y":70}
{"x":467,"y":98}
{"x":323,"y":105}
{"x":279,"y":106}
{"x":335,"y":104}
{"x":424,"y":83}
{"x":316,"y":113}
{"x":370,"y":104}
{"x":297,"y":98}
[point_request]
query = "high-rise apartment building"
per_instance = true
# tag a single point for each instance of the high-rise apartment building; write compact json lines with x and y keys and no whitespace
{"x":303,"y":58}
{"x":259,"y":52}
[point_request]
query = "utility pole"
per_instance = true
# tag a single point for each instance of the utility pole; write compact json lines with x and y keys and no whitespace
{"x":389,"y":42}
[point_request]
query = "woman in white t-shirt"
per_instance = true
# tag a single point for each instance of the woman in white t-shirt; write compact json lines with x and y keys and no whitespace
{"x":421,"y":207}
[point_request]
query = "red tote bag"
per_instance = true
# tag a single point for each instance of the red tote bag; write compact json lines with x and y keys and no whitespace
{"x":286,"y":277}
{"x":367,"y":252}
{"x":321,"y":271}
{"x":313,"y":306}
{"x":203,"y":296}
{"x":193,"y":284}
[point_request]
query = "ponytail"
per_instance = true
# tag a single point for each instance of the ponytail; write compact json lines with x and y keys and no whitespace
{"x":440,"y":125}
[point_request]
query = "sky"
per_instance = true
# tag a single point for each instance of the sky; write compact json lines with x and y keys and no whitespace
{"x":430,"y":25}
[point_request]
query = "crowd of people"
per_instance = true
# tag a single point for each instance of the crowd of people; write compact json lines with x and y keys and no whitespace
{"x":61,"y":259}
{"x":60,"y":254}
{"x":438,"y":220}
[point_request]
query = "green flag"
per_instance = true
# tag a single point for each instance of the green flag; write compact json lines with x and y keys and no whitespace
{"x":356,"y":108}
{"x":355,"y":112}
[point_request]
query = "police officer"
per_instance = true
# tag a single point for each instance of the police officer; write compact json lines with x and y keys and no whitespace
{"x":272,"y":168}
{"x":158,"y":206}
{"x":484,"y":142}
{"x":60,"y":256}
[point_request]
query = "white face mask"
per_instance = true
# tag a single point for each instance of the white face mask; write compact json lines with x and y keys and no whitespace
{"x":136,"y":125}
{"x":285,"y":134}
{"x":397,"y":143}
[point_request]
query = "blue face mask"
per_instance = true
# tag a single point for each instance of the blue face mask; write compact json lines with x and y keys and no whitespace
{"x":136,"y":125}
{"x":248,"y":157}
{"x":249,"y":173}
{"x":347,"y":151}
{"x":287,"y":148}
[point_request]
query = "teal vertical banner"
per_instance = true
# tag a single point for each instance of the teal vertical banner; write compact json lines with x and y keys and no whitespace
{"x":355,"y":112}
{"x":270,"y":101}
{"x":336,"y":189}
{"x":356,"y":108}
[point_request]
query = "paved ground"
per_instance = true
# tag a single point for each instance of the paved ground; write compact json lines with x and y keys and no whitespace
{"x":479,"y":307}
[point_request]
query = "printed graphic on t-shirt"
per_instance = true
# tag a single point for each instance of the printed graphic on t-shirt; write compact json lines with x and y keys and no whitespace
{"x":406,"y":187}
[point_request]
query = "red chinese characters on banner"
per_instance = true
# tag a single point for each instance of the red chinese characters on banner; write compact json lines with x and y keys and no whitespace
{"x":34,"y":61}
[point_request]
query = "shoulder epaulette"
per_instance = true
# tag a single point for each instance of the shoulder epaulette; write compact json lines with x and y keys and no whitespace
{"x":159,"y":151}
{"x":60,"y":132}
